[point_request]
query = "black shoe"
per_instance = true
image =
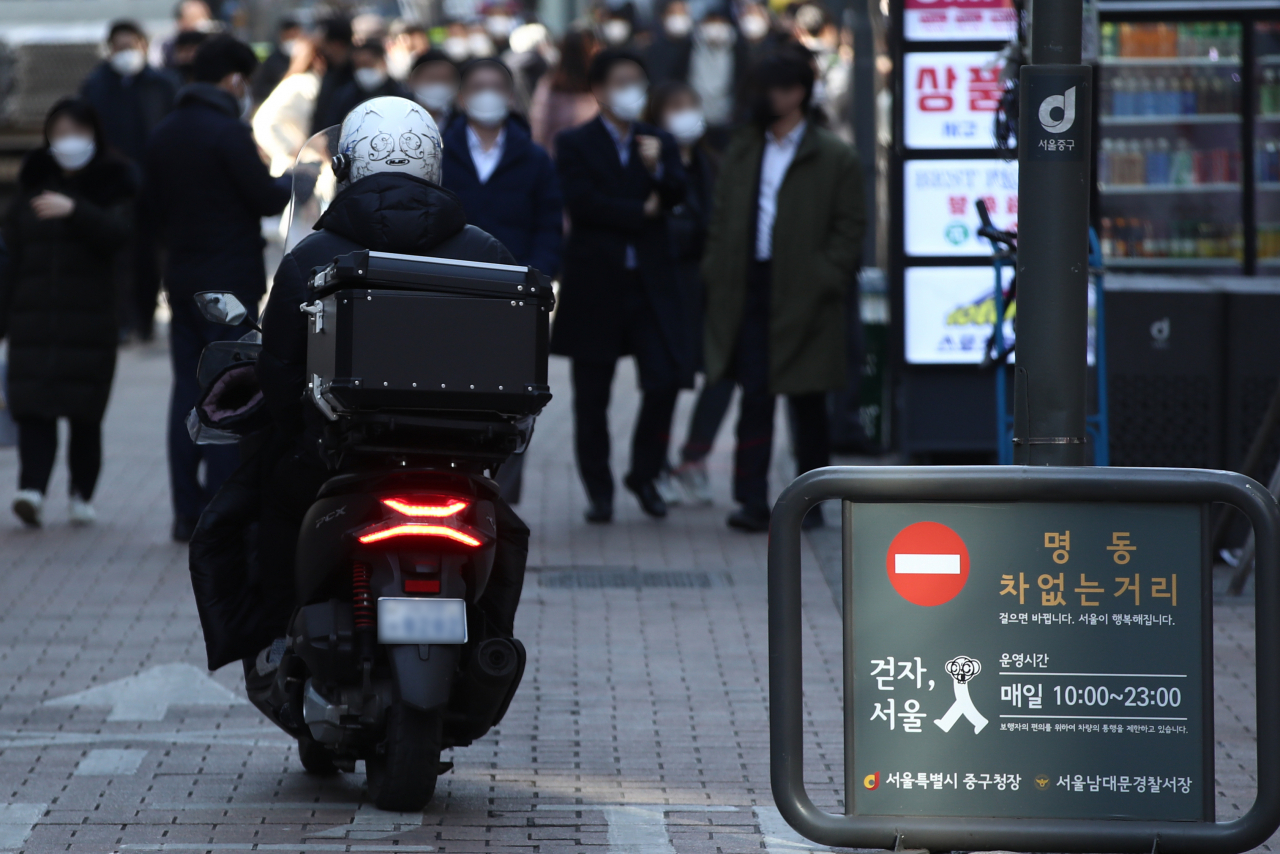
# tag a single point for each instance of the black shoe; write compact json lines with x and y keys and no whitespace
{"x":599,"y":513}
{"x":813,"y":519}
{"x":183,"y":528}
{"x":751,"y":521}
{"x":646,"y":493}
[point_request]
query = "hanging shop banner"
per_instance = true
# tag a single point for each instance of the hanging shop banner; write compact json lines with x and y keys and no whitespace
{"x":959,"y":20}
{"x":951,"y":99}
{"x":940,"y":198}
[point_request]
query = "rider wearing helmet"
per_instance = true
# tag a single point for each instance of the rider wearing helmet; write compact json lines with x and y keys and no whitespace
{"x":390,"y":200}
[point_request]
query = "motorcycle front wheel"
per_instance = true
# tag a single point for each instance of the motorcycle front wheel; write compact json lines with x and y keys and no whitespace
{"x":402,"y":771}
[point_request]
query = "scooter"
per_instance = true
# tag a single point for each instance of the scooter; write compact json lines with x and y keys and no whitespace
{"x":387,"y":658}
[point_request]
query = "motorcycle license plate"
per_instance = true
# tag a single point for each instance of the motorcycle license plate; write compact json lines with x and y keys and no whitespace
{"x":404,"y":620}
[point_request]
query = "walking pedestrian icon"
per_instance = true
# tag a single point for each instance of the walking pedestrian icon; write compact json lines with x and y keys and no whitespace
{"x":962,"y":669}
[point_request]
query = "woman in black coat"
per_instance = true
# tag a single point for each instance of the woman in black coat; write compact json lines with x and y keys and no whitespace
{"x":72,"y":213}
{"x":676,"y":107}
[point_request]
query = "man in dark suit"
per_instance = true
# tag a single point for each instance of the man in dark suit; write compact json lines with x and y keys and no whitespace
{"x":619,"y":293}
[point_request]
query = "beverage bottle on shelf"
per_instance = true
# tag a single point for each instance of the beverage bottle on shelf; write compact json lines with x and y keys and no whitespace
{"x":1221,"y":98}
{"x":1267,"y":93}
{"x":1219,"y":166}
{"x":1109,"y":39}
{"x":1185,"y":39}
{"x":1135,"y":163}
{"x":1233,"y":166}
{"x":1159,"y":96}
{"x":1237,"y":243}
{"x":1204,"y":94}
{"x":1105,"y":149}
{"x":1234,"y":31}
{"x":1107,"y":240}
{"x":1182,"y":164}
{"x":1125,"y":40}
{"x":1148,"y":239}
{"x":1200,"y":160}
{"x":1167,"y":39}
{"x":1146,"y":96}
{"x":1122,"y":103}
{"x":1272,"y":162}
{"x":1187,"y":94}
{"x":1121,"y":244}
{"x":1163,"y":161}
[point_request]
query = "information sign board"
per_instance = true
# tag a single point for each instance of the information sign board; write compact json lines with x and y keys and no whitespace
{"x":940,"y":202}
{"x":951,"y":99}
{"x":959,"y":20}
{"x":1030,"y":661}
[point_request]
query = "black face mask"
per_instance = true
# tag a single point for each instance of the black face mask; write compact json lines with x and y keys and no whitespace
{"x":762,"y":112}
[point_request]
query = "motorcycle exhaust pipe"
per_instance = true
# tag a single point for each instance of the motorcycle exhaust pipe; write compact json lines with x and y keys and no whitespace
{"x":488,"y":684}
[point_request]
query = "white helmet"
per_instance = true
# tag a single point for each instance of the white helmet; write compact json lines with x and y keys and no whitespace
{"x":389,"y":135}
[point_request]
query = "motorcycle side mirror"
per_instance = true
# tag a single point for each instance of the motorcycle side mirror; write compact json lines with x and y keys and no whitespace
{"x":221,"y":307}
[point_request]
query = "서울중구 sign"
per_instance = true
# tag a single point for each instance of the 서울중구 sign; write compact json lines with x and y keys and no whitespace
{"x":1029,"y":660}
{"x":959,"y":20}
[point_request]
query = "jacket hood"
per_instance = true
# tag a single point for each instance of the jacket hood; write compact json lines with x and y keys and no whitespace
{"x":391,"y":212}
{"x":209,"y":95}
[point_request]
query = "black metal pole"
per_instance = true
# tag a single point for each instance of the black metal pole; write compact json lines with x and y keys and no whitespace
{"x":1053,"y":240}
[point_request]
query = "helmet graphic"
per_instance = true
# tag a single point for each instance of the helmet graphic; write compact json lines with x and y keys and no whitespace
{"x":389,"y":135}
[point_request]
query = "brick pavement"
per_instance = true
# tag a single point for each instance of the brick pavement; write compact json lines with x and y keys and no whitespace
{"x":641,"y":725}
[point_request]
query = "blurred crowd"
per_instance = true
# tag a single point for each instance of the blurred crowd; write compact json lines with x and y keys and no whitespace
{"x":683,"y":172}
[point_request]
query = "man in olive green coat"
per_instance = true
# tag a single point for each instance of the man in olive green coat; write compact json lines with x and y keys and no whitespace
{"x":780,"y":263}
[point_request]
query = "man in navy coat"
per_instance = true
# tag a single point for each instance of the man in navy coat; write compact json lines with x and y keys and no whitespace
{"x":507,"y":185}
{"x":207,"y":191}
{"x":619,"y":292}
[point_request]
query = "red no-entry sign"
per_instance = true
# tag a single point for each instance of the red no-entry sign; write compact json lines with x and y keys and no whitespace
{"x":928,"y":563}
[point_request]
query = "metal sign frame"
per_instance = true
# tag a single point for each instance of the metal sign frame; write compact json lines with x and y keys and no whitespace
{"x":864,"y":485}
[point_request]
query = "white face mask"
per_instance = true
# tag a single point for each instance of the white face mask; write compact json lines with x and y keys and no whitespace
{"x":687,"y":126}
{"x":128,"y":62}
{"x":628,"y":102}
{"x":616,"y":31}
{"x":479,"y":44}
{"x":717,"y":33}
{"x":72,"y":152}
{"x":488,"y":107}
{"x":456,"y":48}
{"x":370,"y":79}
{"x":678,"y":25}
{"x":754,"y":27}
{"x":499,"y":26}
{"x":436,"y":97}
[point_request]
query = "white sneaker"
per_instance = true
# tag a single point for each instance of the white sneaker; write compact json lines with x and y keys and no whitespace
{"x":28,"y":505}
{"x":667,"y":488}
{"x":82,"y":511}
{"x":693,"y":479}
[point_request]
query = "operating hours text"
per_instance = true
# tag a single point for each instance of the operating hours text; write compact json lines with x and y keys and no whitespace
{"x":1139,"y":697}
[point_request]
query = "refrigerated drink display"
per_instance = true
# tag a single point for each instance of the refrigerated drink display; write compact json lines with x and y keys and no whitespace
{"x":1266,"y":147}
{"x":1169,"y":168}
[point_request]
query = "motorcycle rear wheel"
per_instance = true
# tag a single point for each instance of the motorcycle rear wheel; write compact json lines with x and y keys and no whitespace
{"x":402,"y":773}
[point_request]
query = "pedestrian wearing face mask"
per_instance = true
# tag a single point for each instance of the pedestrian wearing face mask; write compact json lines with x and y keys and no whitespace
{"x":619,"y":294}
{"x":668,"y":57}
{"x":335,"y":50}
{"x":434,"y":81}
{"x":618,"y":28}
{"x":130,"y":98}
{"x":207,"y":191}
{"x":676,"y":107}
{"x":507,"y":185}
{"x":276,"y":66}
{"x":782,"y":253}
{"x":562,"y":98}
{"x":717,"y":72}
{"x":64,"y":228}
{"x":369,"y":80}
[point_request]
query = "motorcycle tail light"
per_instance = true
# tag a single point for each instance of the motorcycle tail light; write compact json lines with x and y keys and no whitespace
{"x":429,"y":506}
{"x":382,"y":532}
{"x":422,"y":585}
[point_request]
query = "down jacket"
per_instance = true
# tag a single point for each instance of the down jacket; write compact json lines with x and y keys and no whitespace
{"x":57,"y":300}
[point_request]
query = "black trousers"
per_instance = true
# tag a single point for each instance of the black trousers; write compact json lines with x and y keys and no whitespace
{"x":810,"y":424}
{"x":660,"y":384}
{"x":708,"y":413}
{"x":38,"y":446}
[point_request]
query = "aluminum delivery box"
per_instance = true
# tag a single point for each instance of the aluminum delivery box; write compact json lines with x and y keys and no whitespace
{"x":411,"y":333}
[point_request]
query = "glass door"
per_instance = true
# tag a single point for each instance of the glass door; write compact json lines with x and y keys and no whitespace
{"x":1266,"y":111}
{"x":1169,"y":151}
